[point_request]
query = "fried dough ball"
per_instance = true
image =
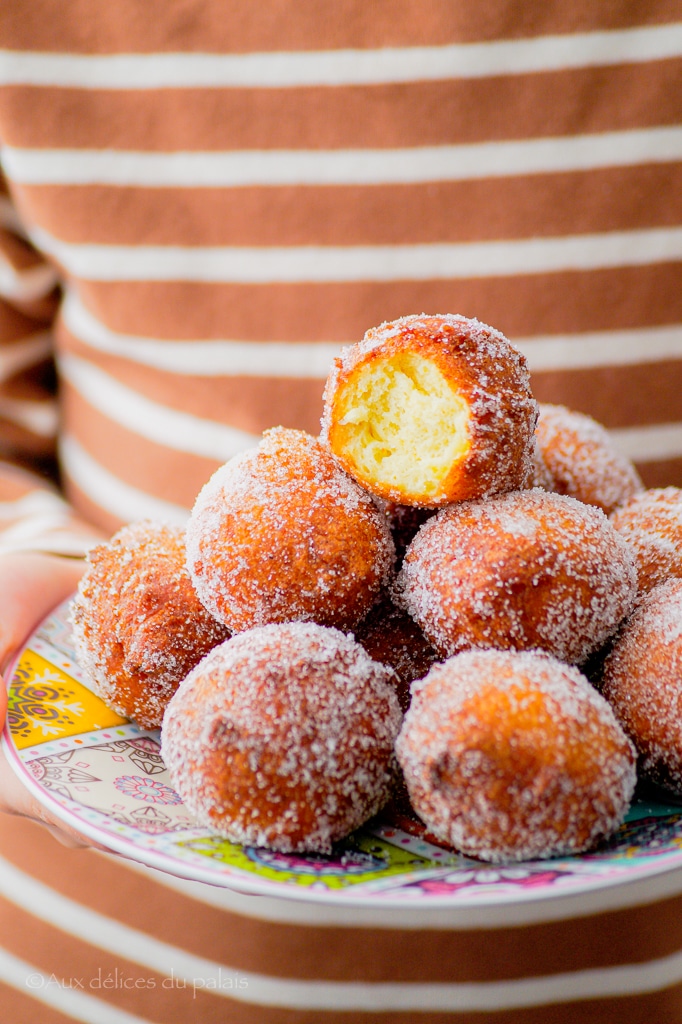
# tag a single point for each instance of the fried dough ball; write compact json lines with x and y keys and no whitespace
{"x":283,"y":737}
{"x":428,"y":410}
{"x":582,"y":460}
{"x":281,"y":533}
{"x":138,"y":625}
{"x":651,"y":522}
{"x":403,"y":521}
{"x":392,"y":637}
{"x":518,"y":571}
{"x":512,"y":756}
{"x":642,"y":680}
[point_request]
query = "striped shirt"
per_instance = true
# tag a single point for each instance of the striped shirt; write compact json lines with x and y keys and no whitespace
{"x":205,"y":203}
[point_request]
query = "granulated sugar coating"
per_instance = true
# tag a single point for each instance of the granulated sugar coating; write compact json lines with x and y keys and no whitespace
{"x":540,"y":475}
{"x":428,"y":410}
{"x":281,"y":533}
{"x":403,"y":522}
{"x":642,"y":680}
{"x":283,"y":737}
{"x":582,"y":460}
{"x":392,"y":637}
{"x":651,"y":523}
{"x":138,"y":625}
{"x":514,"y":755}
{"x":518,"y":571}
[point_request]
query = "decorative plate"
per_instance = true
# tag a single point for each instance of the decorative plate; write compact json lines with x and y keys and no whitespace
{"x":103,"y":776}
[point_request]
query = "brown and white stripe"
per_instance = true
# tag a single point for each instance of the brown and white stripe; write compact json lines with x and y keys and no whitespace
{"x":227,"y":216}
{"x":187,"y":949}
{"x":28,"y":412}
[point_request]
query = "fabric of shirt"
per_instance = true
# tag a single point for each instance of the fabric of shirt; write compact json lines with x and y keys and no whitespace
{"x":204,"y":203}
{"x":230,"y":197}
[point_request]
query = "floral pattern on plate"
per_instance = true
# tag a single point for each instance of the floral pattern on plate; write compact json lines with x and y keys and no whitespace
{"x":120,"y":779}
{"x":44,"y":702}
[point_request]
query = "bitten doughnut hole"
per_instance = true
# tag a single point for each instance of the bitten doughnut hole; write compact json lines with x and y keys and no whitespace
{"x":429,"y":410}
{"x":403,"y":424}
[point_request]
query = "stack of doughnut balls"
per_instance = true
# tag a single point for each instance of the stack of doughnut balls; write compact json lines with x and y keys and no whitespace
{"x":407,"y":608}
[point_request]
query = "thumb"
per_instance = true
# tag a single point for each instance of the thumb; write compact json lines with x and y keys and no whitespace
{"x":31,"y":584}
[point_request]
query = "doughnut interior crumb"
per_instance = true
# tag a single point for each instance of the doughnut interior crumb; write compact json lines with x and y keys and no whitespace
{"x":404,"y":424}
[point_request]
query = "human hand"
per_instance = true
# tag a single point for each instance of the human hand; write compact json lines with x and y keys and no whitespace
{"x":31,"y":584}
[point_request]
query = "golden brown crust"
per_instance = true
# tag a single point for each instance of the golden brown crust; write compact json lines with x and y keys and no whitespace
{"x":483,"y":369}
{"x":283,"y":737}
{"x":642,"y":680}
{"x":404,"y":522}
{"x":282,"y":534}
{"x":539,"y":475}
{"x":138,"y":624}
{"x":511,"y":755}
{"x":518,"y":571}
{"x":582,"y":461}
{"x":651,"y":523}
{"x":392,"y":637}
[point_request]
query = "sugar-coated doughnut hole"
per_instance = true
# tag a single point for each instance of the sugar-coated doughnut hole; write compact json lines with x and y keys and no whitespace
{"x":427,"y":410}
{"x":403,"y":522}
{"x":651,"y":523}
{"x":282,"y":533}
{"x":392,"y":637}
{"x":283,"y":737}
{"x":642,"y":680}
{"x":512,"y":756}
{"x":525,"y":570}
{"x":582,"y":460}
{"x":138,"y":625}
